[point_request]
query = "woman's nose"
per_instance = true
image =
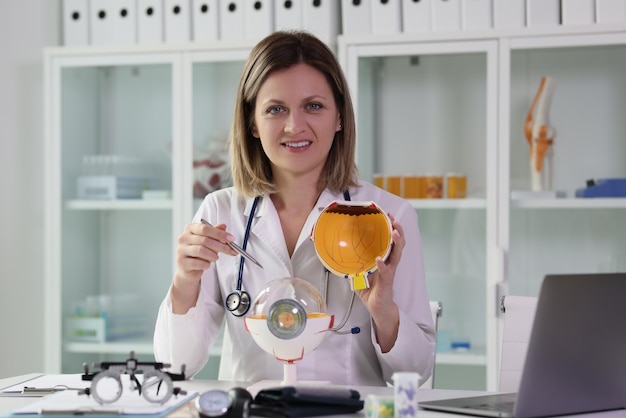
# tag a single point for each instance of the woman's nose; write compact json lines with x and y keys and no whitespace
{"x":294,"y":123}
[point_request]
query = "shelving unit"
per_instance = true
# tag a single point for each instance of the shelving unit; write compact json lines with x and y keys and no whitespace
{"x":457,"y":101}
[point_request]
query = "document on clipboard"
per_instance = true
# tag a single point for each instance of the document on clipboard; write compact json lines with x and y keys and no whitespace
{"x":45,"y":384}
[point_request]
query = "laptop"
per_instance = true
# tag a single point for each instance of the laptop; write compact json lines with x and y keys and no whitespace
{"x":576,"y":359}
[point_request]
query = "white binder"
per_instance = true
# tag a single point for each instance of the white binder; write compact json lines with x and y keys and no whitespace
{"x":205,"y":20}
{"x":149,"y":21}
{"x":508,"y":14}
{"x":416,"y":16}
{"x":356,"y":17}
{"x":177,"y":15}
{"x":232,"y":20}
{"x":476,"y":14}
{"x":543,"y":13}
{"x":446,"y":15}
{"x":111,"y":22}
{"x":259,"y":18}
{"x":321,"y":17}
{"x":610,"y":11}
{"x":578,"y":12}
{"x":386,"y":16}
{"x":288,"y":14}
{"x":75,"y":22}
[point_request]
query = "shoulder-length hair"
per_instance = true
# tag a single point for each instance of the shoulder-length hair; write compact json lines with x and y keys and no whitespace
{"x":251,"y":168}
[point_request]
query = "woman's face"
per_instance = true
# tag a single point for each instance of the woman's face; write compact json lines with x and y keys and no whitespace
{"x":296,"y":118}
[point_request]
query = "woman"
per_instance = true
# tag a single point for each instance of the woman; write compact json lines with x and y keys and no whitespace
{"x":292,"y":148}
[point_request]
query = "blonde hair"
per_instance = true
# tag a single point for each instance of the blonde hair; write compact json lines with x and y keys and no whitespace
{"x":251,"y":168}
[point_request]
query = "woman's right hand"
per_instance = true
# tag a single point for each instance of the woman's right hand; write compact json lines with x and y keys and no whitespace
{"x":198,"y":246}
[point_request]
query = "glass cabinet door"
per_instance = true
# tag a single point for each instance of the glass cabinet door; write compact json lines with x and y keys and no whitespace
{"x":110,"y":154}
{"x":423,"y":111}
{"x":568,"y":234}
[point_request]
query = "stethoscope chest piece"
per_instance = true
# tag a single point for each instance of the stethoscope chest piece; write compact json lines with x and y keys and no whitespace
{"x":238,"y":303}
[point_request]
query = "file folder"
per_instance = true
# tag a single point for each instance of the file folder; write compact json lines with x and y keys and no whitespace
{"x":476,"y":14}
{"x":177,"y":21}
{"x":204,"y":20}
{"x":416,"y":16}
{"x":356,"y":17}
{"x":288,"y":14}
{"x":149,"y":21}
{"x":509,"y":14}
{"x":259,"y":18}
{"x":232,"y":20}
{"x":578,"y":12}
{"x":321,"y":18}
{"x":446,"y":15}
{"x":112,"y":22}
{"x":542,"y":13}
{"x":386,"y":16}
{"x":75,"y":22}
{"x":610,"y":11}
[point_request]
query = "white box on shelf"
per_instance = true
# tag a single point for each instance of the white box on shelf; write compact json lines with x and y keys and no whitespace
{"x":321,"y":17}
{"x":259,"y":18}
{"x":125,"y":22}
{"x":112,"y":187}
{"x":75,"y":22}
{"x":509,"y":14}
{"x":177,"y":15}
{"x":288,"y":14}
{"x":543,"y":13}
{"x":446,"y":15}
{"x":101,"y":22}
{"x":205,"y":20}
{"x":386,"y":16}
{"x":149,"y":21}
{"x":416,"y":16}
{"x":356,"y":17}
{"x":232,"y":20}
{"x":610,"y":11}
{"x":578,"y":12}
{"x":476,"y":14}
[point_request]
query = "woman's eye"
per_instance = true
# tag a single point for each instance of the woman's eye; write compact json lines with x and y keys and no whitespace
{"x":314,"y":106}
{"x":274,"y":110}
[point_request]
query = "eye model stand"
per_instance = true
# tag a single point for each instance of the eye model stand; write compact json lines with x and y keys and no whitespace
{"x":106,"y":385}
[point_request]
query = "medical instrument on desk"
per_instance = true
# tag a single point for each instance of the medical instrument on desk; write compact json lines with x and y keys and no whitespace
{"x":237,"y":248}
{"x":149,"y":388}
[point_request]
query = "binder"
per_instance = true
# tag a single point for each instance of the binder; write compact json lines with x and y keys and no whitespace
{"x":288,"y":14}
{"x":75,"y":22}
{"x":446,"y":15}
{"x":356,"y":17}
{"x":386,"y":16}
{"x":101,"y":22}
{"x":321,"y":18}
{"x":177,"y":21}
{"x":578,"y":12}
{"x":476,"y":14}
{"x":610,"y":11}
{"x":416,"y":16}
{"x":542,"y":13}
{"x":204,"y":20}
{"x":149,"y":21}
{"x":232,"y":20}
{"x":508,"y":14}
{"x":259,"y":18}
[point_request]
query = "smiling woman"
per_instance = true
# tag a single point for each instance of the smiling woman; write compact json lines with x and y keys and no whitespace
{"x":292,"y":148}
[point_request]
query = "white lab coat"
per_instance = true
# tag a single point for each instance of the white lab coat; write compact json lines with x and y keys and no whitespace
{"x":352,"y":359}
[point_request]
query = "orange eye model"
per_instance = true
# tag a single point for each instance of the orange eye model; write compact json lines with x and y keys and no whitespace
{"x":349,"y":236}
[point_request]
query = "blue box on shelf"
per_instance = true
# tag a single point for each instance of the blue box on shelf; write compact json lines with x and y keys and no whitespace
{"x":614,"y":187}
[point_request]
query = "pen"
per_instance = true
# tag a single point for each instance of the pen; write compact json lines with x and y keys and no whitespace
{"x":237,"y":248}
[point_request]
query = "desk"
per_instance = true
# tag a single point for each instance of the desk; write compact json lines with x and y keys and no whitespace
{"x":8,"y":404}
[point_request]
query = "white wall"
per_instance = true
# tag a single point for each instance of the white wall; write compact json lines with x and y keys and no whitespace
{"x":26,"y":27}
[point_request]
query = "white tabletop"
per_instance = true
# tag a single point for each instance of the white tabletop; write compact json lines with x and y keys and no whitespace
{"x":9,"y":404}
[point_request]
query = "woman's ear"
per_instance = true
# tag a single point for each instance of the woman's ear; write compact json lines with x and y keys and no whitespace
{"x":339,"y":126}
{"x":254,"y":131}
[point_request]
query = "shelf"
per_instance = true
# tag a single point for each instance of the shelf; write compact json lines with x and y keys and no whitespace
{"x":472,"y":203}
{"x":474,"y":357}
{"x":141,"y":346}
{"x":591,"y":203}
{"x":129,"y":204}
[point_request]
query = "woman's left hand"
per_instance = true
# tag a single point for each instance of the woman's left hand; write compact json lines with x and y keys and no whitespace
{"x":378,"y":298}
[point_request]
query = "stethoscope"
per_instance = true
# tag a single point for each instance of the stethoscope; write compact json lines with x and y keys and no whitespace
{"x":238,"y":302}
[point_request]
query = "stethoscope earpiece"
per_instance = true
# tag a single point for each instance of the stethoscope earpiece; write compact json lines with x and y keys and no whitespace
{"x":238,"y":303}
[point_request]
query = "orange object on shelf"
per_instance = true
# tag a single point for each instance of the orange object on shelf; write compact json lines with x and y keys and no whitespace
{"x":412,"y":187}
{"x":394,"y":185}
{"x":457,"y":186}
{"x":434,"y":187}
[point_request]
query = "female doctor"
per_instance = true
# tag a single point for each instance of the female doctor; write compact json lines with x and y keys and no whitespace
{"x":292,"y":147}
